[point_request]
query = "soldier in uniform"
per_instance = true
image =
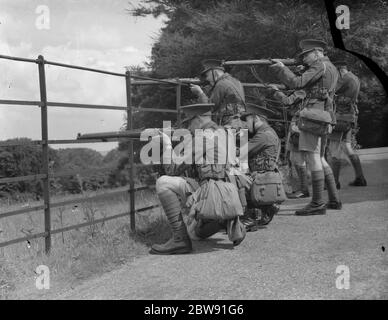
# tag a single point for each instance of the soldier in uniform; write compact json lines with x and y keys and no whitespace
{"x":347,"y":91}
{"x":227,"y":93}
{"x":319,"y":81}
{"x":263,"y":151}
{"x":295,"y":102}
{"x":175,"y":190}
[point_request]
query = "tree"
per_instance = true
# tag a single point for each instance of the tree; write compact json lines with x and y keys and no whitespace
{"x":234,"y":29}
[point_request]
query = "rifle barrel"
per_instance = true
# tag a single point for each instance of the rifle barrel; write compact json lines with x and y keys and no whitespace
{"x":135,"y":134}
{"x":258,"y":62}
{"x":132,"y":134}
{"x":181,"y":81}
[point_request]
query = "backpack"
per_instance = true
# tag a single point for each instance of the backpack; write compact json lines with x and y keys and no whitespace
{"x":314,"y":121}
{"x":267,"y":187}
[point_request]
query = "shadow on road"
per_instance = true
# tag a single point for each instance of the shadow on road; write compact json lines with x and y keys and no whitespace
{"x":210,"y":245}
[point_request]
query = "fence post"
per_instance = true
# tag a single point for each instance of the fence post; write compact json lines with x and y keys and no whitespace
{"x":131,"y":160}
{"x":178,"y":102}
{"x":45,"y":158}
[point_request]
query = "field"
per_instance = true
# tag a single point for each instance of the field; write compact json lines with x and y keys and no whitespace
{"x":81,"y":253}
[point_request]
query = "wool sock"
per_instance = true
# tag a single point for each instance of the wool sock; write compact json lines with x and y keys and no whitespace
{"x":172,"y":209}
{"x":330,"y":184}
{"x":318,"y":180}
{"x":302,"y":174}
{"x":336,"y":168}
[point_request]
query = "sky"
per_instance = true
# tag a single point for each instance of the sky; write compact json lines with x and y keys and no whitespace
{"x":93,"y":33}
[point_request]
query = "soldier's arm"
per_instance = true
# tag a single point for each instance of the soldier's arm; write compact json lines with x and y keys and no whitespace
{"x":296,"y":96}
{"x":203,"y":98}
{"x":178,"y":169}
{"x":218,"y":95}
{"x":256,"y":144}
{"x":285,"y":75}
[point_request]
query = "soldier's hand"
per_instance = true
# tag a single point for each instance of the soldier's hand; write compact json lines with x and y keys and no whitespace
{"x":330,"y":129}
{"x":299,"y":68}
{"x":273,"y":87}
{"x":277,"y":63}
{"x":196,"y":89}
{"x":294,"y":128}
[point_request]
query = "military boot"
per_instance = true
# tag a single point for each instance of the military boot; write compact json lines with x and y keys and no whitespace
{"x":176,"y":245}
{"x":267,"y":214}
{"x":335,"y":205}
{"x":358,"y":182}
{"x":312,"y":209}
{"x":180,"y":242}
{"x":249,"y":219}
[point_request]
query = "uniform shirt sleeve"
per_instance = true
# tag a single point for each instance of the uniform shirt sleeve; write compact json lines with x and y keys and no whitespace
{"x":257,"y":143}
{"x":218,"y":94}
{"x":263,"y":141}
{"x":313,"y":73}
{"x":291,"y":99}
{"x":351,"y":87}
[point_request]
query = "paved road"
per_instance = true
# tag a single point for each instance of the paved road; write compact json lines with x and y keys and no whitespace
{"x":293,"y":258}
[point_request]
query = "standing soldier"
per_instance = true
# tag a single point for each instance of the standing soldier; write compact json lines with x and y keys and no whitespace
{"x":263,"y":151}
{"x":227,"y":93}
{"x":319,"y":82}
{"x":347,"y":91}
{"x":176,"y":191}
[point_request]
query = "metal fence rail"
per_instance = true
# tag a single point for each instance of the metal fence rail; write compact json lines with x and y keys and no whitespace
{"x":45,"y":176}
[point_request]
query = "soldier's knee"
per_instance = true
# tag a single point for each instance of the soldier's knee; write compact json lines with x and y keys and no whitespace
{"x":314,"y":161}
{"x":324,"y":162}
{"x":162,"y":184}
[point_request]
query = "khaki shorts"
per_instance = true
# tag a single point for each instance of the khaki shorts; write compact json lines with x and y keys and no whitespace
{"x":309,"y":142}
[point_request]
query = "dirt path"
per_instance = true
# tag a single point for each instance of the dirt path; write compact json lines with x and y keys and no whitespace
{"x":294,"y":258}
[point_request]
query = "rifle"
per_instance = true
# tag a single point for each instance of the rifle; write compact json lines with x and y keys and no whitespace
{"x":182,"y":81}
{"x":131,"y":134}
{"x":262,"y":62}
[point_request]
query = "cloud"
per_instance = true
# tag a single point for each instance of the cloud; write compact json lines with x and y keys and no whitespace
{"x":82,"y":33}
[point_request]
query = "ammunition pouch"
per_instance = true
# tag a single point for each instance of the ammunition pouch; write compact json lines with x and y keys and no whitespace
{"x":319,"y":93}
{"x":345,"y":122}
{"x":242,"y":183}
{"x":211,"y":171}
{"x":262,"y":163}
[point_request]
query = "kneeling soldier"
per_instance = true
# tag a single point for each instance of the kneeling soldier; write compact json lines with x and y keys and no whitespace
{"x":263,"y":151}
{"x":175,"y":190}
